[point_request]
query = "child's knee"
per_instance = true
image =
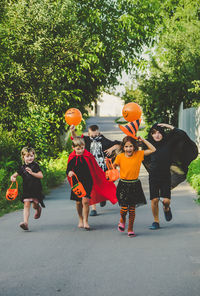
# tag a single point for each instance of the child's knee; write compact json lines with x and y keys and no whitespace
{"x":155,"y":202}
{"x":85,"y":201}
{"x":27,"y":204}
{"x":166,"y":201}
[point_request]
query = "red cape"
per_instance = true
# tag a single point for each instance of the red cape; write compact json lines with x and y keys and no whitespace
{"x":102,"y":189}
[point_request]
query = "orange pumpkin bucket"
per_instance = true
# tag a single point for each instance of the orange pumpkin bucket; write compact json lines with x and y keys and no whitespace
{"x":11,"y":194}
{"x":77,"y":188}
{"x":112,"y":174}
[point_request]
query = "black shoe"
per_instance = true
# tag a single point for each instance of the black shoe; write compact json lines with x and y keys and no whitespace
{"x":102,"y":204}
{"x":93,"y":213}
{"x":168,"y":214}
{"x":154,"y":226}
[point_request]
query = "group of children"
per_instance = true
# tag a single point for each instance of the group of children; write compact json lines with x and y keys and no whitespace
{"x":87,"y":161}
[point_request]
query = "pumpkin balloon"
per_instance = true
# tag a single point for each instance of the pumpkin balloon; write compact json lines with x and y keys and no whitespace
{"x":131,"y":112}
{"x":73,"y":116}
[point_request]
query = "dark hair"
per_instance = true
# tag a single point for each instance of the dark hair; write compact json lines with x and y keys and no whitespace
{"x":93,"y":127}
{"x":154,"y":128}
{"x":129,"y":139}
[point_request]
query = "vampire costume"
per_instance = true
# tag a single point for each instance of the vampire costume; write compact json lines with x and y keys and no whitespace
{"x":93,"y":179}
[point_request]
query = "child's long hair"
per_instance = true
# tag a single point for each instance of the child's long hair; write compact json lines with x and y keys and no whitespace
{"x":27,"y":150}
{"x":129,"y":139}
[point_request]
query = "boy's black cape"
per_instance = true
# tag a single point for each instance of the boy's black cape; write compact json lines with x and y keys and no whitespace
{"x":183,"y":152}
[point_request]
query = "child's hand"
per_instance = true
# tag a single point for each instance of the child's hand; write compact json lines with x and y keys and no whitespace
{"x":29,"y":170}
{"x":70,"y":174}
{"x":72,"y":128}
{"x":13,"y":179}
{"x":108,"y":151}
{"x":140,"y":139}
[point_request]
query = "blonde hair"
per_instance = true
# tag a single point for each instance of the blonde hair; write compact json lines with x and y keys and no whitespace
{"x":78,"y":141}
{"x":27,"y":150}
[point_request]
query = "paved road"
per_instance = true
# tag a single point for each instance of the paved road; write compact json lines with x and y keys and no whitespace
{"x":56,"y":258}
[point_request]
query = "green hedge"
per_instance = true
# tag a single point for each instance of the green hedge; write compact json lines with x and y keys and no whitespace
{"x":193,"y":176}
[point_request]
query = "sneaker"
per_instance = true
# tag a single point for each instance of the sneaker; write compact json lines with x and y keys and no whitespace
{"x":121,"y":227}
{"x":93,"y":213}
{"x":168,"y":214}
{"x":154,"y":226}
{"x":24,"y":225}
{"x":102,"y":204}
{"x":38,"y":213}
{"x":131,"y":234}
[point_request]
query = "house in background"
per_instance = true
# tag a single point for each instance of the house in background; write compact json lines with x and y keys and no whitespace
{"x":107,"y":105}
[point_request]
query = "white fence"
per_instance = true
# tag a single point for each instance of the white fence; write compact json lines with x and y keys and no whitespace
{"x":189,"y":121}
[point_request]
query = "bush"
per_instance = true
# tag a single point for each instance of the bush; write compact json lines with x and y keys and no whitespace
{"x":193,"y":176}
{"x":54,"y":171}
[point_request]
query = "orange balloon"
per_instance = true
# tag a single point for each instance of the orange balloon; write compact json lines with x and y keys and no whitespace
{"x":131,"y":112}
{"x":73,"y":116}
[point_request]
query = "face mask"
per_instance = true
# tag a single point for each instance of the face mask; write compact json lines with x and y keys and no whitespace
{"x":94,"y":138}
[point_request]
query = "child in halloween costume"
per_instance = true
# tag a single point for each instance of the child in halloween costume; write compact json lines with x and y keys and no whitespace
{"x":129,"y":189}
{"x":98,"y":189}
{"x":168,"y":166}
{"x":32,"y":188}
{"x":100,"y":147}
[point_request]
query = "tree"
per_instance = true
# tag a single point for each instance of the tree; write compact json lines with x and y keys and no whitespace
{"x":174,"y":66}
{"x":60,"y":54}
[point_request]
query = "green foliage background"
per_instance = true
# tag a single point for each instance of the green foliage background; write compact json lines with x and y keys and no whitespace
{"x":57,"y":54}
{"x":171,"y":74}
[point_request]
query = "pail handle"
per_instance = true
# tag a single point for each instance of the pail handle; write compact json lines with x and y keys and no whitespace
{"x":71,"y":182}
{"x":12,"y":184}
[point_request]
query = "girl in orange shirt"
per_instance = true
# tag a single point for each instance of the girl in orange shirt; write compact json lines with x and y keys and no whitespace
{"x":129,"y":189}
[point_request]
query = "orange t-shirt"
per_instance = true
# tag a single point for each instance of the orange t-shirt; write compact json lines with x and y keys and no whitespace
{"x":129,"y":166}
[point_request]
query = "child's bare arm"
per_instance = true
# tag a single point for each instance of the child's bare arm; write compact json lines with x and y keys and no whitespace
{"x":150,"y":147}
{"x":166,"y":125}
{"x":38,"y":175}
{"x":13,"y":177}
{"x":73,"y":132}
{"x":111,"y":149}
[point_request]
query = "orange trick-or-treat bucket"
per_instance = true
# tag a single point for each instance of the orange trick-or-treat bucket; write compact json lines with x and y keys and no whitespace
{"x":78,"y":188}
{"x":73,"y":116}
{"x":112,"y":174}
{"x":11,"y":194}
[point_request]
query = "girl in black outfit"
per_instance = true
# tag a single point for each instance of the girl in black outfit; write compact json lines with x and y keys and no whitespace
{"x":32,"y":187}
{"x":174,"y":148}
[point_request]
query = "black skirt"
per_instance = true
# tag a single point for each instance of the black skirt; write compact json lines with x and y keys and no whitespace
{"x":130,"y":193}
